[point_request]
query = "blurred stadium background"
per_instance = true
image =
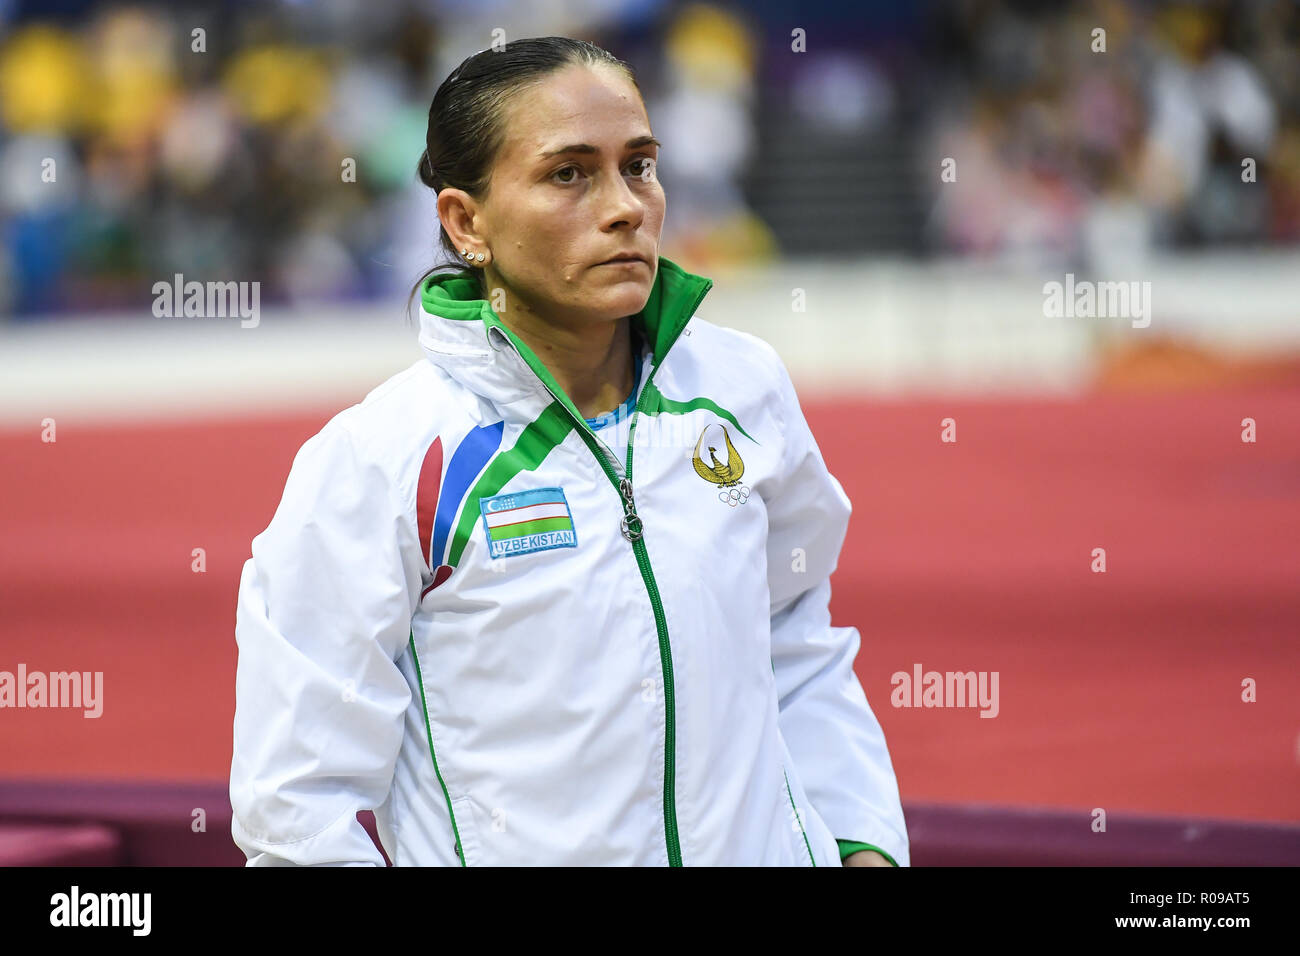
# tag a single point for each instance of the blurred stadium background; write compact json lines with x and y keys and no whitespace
{"x":811,"y":177}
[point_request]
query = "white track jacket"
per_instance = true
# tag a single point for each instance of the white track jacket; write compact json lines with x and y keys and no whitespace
{"x":521,"y":646}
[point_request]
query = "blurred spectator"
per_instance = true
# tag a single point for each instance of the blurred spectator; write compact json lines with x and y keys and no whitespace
{"x":1068,"y":154}
{"x":141,"y":141}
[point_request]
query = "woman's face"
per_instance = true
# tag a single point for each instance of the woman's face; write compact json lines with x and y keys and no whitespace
{"x":554,"y":214}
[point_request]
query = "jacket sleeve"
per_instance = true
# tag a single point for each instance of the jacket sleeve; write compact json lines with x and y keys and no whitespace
{"x":324,"y":610}
{"x":834,"y":738}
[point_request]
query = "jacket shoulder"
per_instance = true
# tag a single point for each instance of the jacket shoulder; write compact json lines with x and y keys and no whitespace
{"x":387,"y":414}
{"x":752,"y":357}
{"x":393,"y":427}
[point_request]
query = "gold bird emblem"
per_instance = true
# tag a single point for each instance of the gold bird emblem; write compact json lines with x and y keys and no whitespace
{"x":724,"y":474}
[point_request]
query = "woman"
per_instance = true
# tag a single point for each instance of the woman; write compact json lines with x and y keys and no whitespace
{"x":557,"y":594}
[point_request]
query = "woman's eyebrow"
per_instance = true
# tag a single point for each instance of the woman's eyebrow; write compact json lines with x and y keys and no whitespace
{"x":588,"y":148}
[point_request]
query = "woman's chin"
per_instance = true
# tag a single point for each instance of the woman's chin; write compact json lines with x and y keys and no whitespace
{"x":623,"y":297}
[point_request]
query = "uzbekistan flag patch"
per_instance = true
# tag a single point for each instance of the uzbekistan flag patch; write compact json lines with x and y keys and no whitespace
{"x":525,"y":521}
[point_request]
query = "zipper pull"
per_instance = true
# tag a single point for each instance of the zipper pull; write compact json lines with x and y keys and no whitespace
{"x":631,"y":522}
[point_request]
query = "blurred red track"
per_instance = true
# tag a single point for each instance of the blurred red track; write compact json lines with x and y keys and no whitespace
{"x":1119,"y":690}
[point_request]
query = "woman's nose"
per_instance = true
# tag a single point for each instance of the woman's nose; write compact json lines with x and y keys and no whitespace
{"x":621,"y":204}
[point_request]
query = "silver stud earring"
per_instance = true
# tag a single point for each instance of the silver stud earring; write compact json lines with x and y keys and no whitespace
{"x":479,"y":257}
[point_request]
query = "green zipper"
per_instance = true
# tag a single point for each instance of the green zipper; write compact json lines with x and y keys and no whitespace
{"x":665,"y":649}
{"x":631,"y":528}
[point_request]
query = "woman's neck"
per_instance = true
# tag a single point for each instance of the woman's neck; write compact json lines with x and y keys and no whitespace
{"x":592,"y":364}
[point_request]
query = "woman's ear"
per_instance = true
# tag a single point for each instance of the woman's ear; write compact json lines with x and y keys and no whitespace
{"x":456,"y":209}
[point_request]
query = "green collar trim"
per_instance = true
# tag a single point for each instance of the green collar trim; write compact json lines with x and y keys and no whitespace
{"x":673,"y":300}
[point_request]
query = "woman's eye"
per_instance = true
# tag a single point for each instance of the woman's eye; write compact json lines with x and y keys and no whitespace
{"x":647,"y":169}
{"x":643,"y":168}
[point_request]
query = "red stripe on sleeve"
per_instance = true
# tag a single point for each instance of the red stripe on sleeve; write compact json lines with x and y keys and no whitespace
{"x":426,"y":496}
